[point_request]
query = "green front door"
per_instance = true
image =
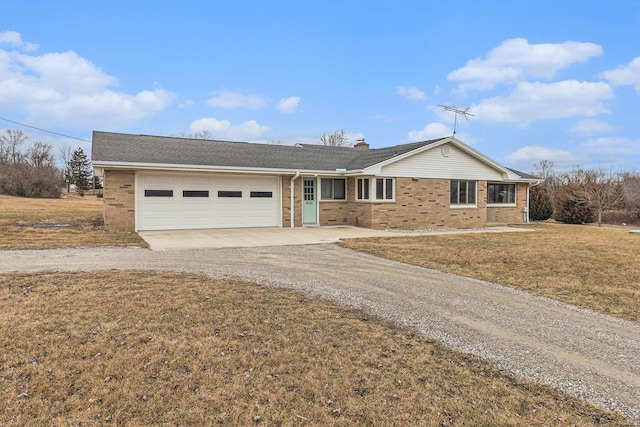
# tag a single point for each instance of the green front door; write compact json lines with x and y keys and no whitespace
{"x":309,"y":201}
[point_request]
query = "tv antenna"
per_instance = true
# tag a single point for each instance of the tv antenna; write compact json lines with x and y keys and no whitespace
{"x":457,"y":110}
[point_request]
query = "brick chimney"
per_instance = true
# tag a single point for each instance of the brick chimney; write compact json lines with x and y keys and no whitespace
{"x":361,"y":145}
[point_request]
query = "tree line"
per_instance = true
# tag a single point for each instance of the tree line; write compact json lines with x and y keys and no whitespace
{"x":584,"y":196}
{"x":28,"y":168}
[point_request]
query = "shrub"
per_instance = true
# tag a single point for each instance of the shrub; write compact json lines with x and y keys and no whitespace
{"x":569,"y":208}
{"x":540,"y":206}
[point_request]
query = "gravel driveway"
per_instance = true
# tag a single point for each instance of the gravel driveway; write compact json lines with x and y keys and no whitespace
{"x":589,"y":355}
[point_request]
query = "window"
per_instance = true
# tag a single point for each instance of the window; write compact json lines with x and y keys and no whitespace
{"x":463,"y":192}
{"x":158,"y":193}
{"x":362,"y":192}
{"x":333,"y":189}
{"x":261,"y":194}
{"x":501,"y":193}
{"x":229,"y":193}
{"x":384,"y":188}
{"x":195,"y":193}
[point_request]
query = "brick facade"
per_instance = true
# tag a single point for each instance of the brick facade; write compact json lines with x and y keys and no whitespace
{"x":119,"y":200}
{"x":509,"y":214}
{"x":424,"y":203}
{"x":421,"y":203}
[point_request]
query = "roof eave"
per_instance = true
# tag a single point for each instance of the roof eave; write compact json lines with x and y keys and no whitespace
{"x":220,"y":169}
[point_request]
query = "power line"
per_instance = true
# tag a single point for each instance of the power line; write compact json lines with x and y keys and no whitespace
{"x":44,"y":130}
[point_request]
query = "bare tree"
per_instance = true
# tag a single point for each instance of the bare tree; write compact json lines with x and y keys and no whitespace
{"x":336,"y":139}
{"x":39,"y":155}
{"x":598,"y":189}
{"x":10,"y":142}
{"x":65,"y":155}
{"x":552,"y":180}
{"x":631,"y":189}
{"x":201,"y":134}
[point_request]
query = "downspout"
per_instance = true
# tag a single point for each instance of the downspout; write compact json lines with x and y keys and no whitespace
{"x":291,"y":201}
{"x":526,"y":213}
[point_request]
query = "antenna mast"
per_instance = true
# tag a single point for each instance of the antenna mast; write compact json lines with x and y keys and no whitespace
{"x":457,"y":110}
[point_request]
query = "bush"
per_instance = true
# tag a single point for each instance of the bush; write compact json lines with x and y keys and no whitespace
{"x":23,"y":180}
{"x":540,"y":206}
{"x":570,"y":209}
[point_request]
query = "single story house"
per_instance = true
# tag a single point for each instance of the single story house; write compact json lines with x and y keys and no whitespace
{"x":161,"y":183}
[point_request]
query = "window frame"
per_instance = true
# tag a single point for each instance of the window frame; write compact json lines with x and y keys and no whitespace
{"x":466,"y":204}
{"x":388,"y":184}
{"x":500,"y":184}
{"x":333,"y":189}
{"x":363,"y":189}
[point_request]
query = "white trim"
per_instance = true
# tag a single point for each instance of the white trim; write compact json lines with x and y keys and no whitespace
{"x":374,"y":183}
{"x":461,"y":206}
{"x":136,"y":208}
{"x":498,"y":205}
{"x":161,"y":167}
{"x":464,"y":205}
{"x":346,"y":192}
{"x":507,"y":174}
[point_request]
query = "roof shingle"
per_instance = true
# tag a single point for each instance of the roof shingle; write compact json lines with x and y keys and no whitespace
{"x":147,"y":149}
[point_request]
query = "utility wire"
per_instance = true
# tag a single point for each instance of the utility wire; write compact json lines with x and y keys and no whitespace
{"x":44,"y":130}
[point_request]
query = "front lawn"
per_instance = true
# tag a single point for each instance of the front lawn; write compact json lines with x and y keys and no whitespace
{"x":56,"y":223}
{"x":141,"y":348}
{"x":592,"y":267}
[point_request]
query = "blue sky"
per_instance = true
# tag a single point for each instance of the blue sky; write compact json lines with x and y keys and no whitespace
{"x":545,"y":80}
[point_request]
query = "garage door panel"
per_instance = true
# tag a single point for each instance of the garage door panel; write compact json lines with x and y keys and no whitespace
{"x":195,"y":201}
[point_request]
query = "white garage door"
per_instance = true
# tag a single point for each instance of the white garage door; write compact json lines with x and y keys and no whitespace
{"x":181,"y":201}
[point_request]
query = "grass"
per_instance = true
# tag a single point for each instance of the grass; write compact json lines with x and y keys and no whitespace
{"x":595,"y":268}
{"x":140,"y":348}
{"x":56,"y":223}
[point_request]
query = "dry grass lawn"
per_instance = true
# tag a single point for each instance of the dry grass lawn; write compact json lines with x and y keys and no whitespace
{"x":595,"y":268}
{"x":56,"y":223}
{"x":138,"y":348}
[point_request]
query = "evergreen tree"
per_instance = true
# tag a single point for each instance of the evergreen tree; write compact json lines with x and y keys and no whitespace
{"x":79,"y":169}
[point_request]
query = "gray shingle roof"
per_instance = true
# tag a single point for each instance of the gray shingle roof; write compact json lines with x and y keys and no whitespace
{"x":125,"y":148}
{"x":161,"y":150}
{"x":524,"y":175}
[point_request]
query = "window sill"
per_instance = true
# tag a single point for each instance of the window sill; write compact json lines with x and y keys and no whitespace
{"x":501,"y":205}
{"x":474,"y":206}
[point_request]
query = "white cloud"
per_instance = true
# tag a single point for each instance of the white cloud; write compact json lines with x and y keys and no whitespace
{"x":430,"y":131}
{"x":516,"y":59}
{"x":224,"y":130}
{"x":530,"y":102}
{"x":14,"y":39}
{"x":532,"y":154}
{"x":231,"y":100}
{"x":611,"y":147}
{"x":591,"y":126}
{"x":625,"y":75}
{"x":66,"y":90}
{"x":411,"y":93}
{"x":288,"y":105}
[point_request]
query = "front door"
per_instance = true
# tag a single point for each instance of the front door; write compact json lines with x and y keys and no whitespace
{"x":309,"y":201}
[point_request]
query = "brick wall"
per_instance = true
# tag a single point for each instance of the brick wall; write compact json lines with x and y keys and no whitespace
{"x":119,"y":200}
{"x":420,"y":203}
{"x":424,"y":203}
{"x":509,"y":214}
